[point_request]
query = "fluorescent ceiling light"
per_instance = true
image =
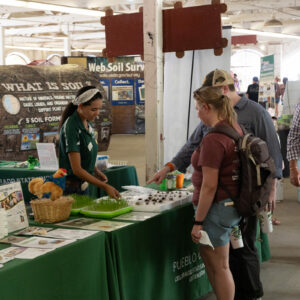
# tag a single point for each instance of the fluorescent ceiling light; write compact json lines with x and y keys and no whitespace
{"x":51,"y":49}
{"x":51,"y":7}
{"x":34,"y":48}
{"x":264,"y":33}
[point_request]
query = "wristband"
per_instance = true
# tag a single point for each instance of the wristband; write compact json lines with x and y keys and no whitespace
{"x":198,"y":222}
{"x":171,"y":166}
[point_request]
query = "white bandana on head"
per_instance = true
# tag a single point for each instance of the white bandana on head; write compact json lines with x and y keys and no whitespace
{"x":85,"y":97}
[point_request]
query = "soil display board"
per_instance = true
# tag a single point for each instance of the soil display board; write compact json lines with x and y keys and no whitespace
{"x":123,"y":82}
{"x":32,"y":99}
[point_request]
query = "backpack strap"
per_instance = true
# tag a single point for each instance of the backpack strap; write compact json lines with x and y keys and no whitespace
{"x":227,"y":130}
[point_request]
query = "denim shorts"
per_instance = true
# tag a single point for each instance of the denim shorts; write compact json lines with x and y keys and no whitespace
{"x":219,"y":222}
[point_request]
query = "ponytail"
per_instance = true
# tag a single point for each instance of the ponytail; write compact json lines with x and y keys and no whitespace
{"x":221,"y":103}
{"x":69,"y":110}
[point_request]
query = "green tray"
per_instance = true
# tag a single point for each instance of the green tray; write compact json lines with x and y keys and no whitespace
{"x":106,"y":214}
{"x":75,"y":211}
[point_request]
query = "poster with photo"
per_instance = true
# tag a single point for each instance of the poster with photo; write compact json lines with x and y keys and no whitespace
{"x":122,"y":91}
{"x":11,"y":199}
{"x":32,"y":99}
{"x":29,"y":141}
{"x":140,"y":91}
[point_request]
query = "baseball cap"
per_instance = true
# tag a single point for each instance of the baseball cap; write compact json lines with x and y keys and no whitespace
{"x":255,"y":79}
{"x":219,"y":78}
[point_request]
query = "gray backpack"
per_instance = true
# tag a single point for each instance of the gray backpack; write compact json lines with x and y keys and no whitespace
{"x":257,"y":171}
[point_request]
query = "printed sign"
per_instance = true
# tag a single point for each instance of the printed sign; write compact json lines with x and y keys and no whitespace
{"x":32,"y":99}
{"x":11,"y":199}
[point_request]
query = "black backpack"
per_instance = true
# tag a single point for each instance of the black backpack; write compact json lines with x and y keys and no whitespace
{"x":257,"y":171}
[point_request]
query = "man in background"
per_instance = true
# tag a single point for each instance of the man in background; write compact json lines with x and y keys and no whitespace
{"x":293,"y":147}
{"x":253,"y":90}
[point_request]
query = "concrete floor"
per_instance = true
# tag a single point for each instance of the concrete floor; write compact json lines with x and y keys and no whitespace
{"x":281,"y":274}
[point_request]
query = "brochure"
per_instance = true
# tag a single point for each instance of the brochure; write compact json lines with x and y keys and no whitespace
{"x":12,"y":239}
{"x":11,"y":199}
{"x":136,"y":216}
{"x":42,"y":242}
{"x":10,"y":253}
{"x":30,"y":253}
{"x":33,"y":230}
{"x":106,"y":225}
{"x":78,"y":223}
{"x":75,"y":234}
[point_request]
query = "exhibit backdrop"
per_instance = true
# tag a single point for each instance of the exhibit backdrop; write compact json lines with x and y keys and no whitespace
{"x":32,"y":101}
{"x":123,"y":82}
{"x":181,"y":78}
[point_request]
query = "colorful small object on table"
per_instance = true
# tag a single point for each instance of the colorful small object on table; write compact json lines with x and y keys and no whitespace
{"x":32,"y":162}
{"x":173,"y":180}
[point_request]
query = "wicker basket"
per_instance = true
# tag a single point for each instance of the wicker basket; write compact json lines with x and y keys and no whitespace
{"x":48,"y":211}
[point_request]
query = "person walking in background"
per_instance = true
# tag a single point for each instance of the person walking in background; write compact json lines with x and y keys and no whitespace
{"x":78,"y":147}
{"x":236,"y":83}
{"x":277,"y":95}
{"x":214,"y":161}
{"x":293,"y":147}
{"x":253,"y":90}
{"x":244,"y":262}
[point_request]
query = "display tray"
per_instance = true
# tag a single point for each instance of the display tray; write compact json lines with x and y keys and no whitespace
{"x":157,"y":201}
{"x":105,"y":214}
{"x":75,"y":211}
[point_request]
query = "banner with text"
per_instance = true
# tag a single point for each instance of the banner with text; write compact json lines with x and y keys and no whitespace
{"x":32,"y":101}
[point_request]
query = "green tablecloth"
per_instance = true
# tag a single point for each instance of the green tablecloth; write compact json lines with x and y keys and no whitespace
{"x":74,"y":272}
{"x":156,"y":258}
{"x":24,"y":175}
{"x":117,"y":177}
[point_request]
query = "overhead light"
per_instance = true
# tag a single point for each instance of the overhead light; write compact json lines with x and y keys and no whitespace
{"x":34,"y":48}
{"x":224,"y":18}
{"x":273,"y":23}
{"x":51,"y":49}
{"x":264,"y":33}
{"x":51,"y":7}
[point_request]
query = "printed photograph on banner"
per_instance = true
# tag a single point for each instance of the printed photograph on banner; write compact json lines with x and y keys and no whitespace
{"x":11,"y":104}
{"x":11,"y":143}
{"x":29,"y":141}
{"x":51,"y":137}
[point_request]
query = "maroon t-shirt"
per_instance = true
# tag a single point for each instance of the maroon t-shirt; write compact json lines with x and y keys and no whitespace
{"x":217,"y":151}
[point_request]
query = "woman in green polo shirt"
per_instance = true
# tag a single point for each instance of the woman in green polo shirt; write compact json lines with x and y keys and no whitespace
{"x":77,"y":144}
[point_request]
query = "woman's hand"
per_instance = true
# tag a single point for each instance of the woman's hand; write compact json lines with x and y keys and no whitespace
{"x":196,"y":234}
{"x":111,"y":191}
{"x":100,"y":175}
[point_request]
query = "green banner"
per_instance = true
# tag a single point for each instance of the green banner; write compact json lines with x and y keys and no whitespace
{"x":267,"y":68}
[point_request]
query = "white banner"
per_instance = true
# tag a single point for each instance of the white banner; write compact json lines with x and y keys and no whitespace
{"x":180,"y":117}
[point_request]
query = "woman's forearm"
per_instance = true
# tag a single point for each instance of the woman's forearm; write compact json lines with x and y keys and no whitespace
{"x":206,"y":198}
{"x":86,"y":176}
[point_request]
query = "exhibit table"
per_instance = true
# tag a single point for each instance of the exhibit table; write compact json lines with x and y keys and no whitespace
{"x":151,"y":259}
{"x":156,"y":258}
{"x":75,"y":271}
{"x":117,"y":177}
